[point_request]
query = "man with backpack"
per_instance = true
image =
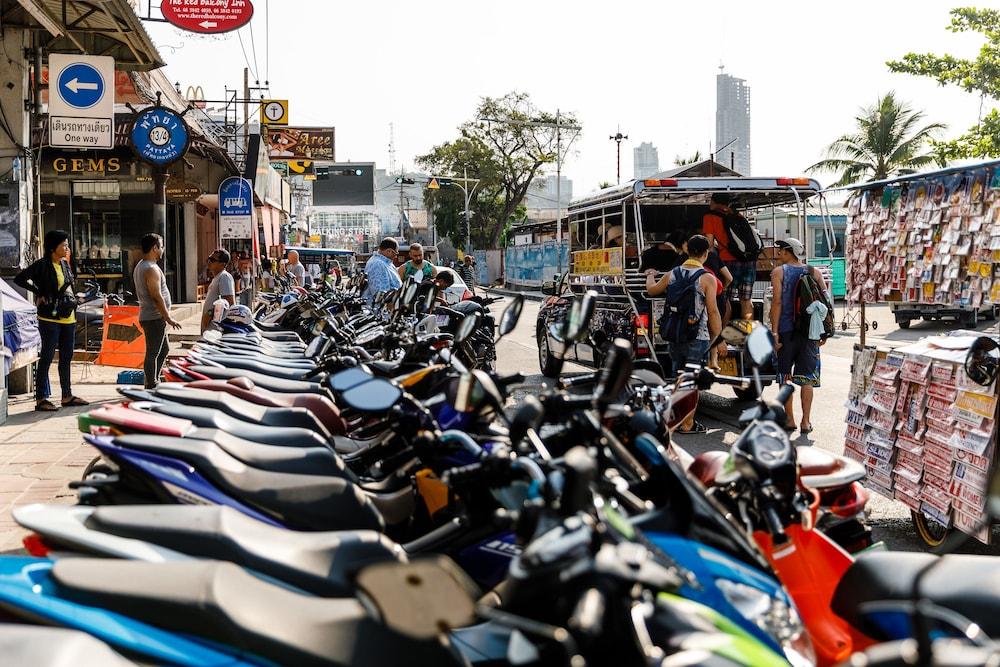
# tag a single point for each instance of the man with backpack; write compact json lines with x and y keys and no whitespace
{"x":690,"y":314}
{"x":801,"y":321}
{"x":739,"y":246}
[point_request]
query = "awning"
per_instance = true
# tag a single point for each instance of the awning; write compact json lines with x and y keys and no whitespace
{"x":92,"y":27}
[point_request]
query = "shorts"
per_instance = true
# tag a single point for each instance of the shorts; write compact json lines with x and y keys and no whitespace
{"x":744,"y":276}
{"x":798,"y":360}
{"x":681,"y":354}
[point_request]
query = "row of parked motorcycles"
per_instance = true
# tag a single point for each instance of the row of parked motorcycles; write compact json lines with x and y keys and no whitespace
{"x":347,"y":484}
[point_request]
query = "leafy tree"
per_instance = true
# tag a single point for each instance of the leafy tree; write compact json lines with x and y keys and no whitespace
{"x":505,"y":153}
{"x":888,"y":142}
{"x":680,"y":160}
{"x":980,"y":76}
{"x":604,"y":184}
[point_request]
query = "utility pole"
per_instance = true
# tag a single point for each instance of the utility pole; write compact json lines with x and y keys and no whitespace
{"x":559,"y":127}
{"x":401,"y":218}
{"x":617,"y":138}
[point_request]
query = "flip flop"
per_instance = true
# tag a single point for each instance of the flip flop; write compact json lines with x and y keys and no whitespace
{"x":74,"y":401}
{"x":697,"y":427}
{"x":46,"y":406}
{"x":805,"y":430}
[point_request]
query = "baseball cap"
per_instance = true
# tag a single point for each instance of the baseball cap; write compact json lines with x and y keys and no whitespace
{"x":793,"y":245}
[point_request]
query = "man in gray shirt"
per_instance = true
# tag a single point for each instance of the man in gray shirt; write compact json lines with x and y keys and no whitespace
{"x":222,"y":286}
{"x":154,"y":307}
{"x":295,"y":269}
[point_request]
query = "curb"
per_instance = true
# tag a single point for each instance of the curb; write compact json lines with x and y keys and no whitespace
{"x":530,"y":296}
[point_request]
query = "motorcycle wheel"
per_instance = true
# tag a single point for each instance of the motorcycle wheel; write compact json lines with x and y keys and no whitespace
{"x":547,"y":363}
{"x":931,"y":533}
{"x":748,"y":394}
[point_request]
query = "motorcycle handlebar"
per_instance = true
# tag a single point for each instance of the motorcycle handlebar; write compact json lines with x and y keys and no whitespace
{"x":774,"y":525}
{"x":508,"y":380}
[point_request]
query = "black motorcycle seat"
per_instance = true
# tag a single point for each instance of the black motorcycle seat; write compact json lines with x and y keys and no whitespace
{"x":258,"y":366}
{"x":292,"y":460}
{"x":222,"y":357}
{"x":237,"y":407}
{"x":268,"y":435}
{"x":261,"y":380}
{"x":320,"y":563}
{"x":968,"y":585}
{"x":249,"y":349}
{"x":254,"y":339}
{"x":226,"y":604}
{"x":384,"y":369}
{"x":302,"y":502}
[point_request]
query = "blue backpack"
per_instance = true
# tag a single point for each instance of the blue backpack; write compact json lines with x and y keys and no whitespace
{"x":681,"y":316}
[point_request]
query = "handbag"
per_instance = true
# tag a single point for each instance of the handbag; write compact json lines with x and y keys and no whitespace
{"x":65,"y":304}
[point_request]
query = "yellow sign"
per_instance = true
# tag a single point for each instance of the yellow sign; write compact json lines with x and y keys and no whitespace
{"x":274,"y":112}
{"x":433,"y":185}
{"x":299,"y":166}
{"x":607,"y":261}
{"x":315,"y":238}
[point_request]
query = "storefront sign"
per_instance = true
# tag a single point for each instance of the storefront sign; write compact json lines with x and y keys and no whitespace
{"x":597,"y":262}
{"x":207,"y":16}
{"x":160,"y":136}
{"x":235,"y":208}
{"x":87,"y":165}
{"x":301,"y":143}
{"x":81,"y":101}
{"x":179,"y":192}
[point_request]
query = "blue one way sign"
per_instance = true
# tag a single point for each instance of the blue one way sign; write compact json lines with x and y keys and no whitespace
{"x":81,"y":101}
{"x":81,"y":85}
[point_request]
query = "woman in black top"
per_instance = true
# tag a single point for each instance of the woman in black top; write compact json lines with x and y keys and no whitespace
{"x":51,"y":281}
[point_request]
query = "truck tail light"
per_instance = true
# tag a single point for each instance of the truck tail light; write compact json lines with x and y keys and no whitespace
{"x":641,"y":329}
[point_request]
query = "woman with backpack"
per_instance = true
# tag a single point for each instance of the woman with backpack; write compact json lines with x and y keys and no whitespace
{"x":796,"y":337}
{"x":691,"y":317}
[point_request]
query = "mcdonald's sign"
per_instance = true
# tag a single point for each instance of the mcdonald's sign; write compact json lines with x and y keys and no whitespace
{"x":196,"y":95}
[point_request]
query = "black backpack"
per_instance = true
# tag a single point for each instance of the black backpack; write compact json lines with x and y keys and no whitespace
{"x":744,"y":242}
{"x":807,"y":290}
{"x":681,"y":317}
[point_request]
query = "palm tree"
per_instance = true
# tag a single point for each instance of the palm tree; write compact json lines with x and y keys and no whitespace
{"x":886,"y":143}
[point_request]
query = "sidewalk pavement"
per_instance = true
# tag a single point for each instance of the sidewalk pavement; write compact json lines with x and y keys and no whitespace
{"x":42,"y":452}
{"x":531,"y":295}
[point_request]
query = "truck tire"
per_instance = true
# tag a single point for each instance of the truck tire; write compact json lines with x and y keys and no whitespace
{"x":547,"y":363}
{"x":903,"y":324}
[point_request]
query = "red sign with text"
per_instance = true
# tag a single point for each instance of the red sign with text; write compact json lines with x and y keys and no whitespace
{"x":208,"y":16}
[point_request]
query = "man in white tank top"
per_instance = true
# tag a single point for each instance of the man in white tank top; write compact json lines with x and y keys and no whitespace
{"x":154,"y":307}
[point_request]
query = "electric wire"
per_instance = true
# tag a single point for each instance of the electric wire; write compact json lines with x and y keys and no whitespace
{"x":267,"y":41}
{"x":243,"y":48}
{"x":253,"y":49}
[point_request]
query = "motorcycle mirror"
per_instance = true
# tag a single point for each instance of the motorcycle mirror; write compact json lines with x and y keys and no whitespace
{"x":376,"y":395}
{"x":650,"y":448}
{"x":615,"y":372}
{"x":529,"y":415}
{"x":466,"y":327}
{"x":468,"y":392}
{"x":423,"y":598}
{"x":430,"y":297}
{"x":760,"y":345}
{"x":345,"y":380}
{"x":511,"y":314}
{"x":983,"y":361}
{"x":577,"y":324}
{"x":410,"y":294}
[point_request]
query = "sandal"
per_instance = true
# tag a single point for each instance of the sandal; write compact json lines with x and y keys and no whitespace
{"x":697,"y":427}
{"x":74,"y":401}
{"x":46,"y":406}
{"x":790,"y":428}
{"x":806,"y":429}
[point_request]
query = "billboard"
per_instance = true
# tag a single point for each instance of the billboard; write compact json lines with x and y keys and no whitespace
{"x":345,"y":184}
{"x":301,"y":143}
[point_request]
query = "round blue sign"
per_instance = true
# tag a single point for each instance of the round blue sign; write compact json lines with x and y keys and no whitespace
{"x":159,"y":136}
{"x":81,"y":85}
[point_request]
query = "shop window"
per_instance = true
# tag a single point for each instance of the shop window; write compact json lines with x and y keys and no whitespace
{"x":97,"y":239}
{"x":820,"y":246}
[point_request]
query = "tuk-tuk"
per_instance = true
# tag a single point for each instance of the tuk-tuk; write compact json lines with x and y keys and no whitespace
{"x":319,"y":261}
{"x":610,"y":229}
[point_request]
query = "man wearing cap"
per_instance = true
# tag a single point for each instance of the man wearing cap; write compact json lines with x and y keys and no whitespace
{"x":798,"y":354}
{"x":744,"y":273}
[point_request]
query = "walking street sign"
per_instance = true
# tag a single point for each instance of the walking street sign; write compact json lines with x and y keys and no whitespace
{"x":81,"y":101}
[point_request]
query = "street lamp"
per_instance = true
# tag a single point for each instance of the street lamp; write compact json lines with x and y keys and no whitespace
{"x":617,"y":138}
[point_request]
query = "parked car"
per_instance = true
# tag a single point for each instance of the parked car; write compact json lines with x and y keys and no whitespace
{"x":459,"y":291}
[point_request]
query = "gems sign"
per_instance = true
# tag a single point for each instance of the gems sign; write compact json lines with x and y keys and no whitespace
{"x":207,"y":16}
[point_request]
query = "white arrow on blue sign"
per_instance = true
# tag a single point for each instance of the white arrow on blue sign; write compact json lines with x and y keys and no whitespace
{"x":81,"y":101}
{"x":81,"y":85}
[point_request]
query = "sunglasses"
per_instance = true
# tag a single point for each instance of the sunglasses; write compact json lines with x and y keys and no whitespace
{"x":213,"y":258}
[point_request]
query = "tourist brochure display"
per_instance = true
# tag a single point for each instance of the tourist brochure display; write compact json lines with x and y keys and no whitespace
{"x":925,"y":432}
{"x":927,"y":239}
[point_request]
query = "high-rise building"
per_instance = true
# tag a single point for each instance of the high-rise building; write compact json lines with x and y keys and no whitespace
{"x":645,"y":160}
{"x":732,"y":122}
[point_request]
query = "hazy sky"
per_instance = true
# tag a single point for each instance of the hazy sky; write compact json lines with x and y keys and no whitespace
{"x":647,"y":66}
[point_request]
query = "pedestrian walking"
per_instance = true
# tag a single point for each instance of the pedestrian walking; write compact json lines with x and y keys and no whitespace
{"x":738,"y":245}
{"x":691,"y":314}
{"x":416,"y":266}
{"x":295,"y":269}
{"x":380,"y":271}
{"x":222,"y":286}
{"x":154,"y":307}
{"x":797,"y":342}
{"x":50,"y":279}
{"x":467,"y":272}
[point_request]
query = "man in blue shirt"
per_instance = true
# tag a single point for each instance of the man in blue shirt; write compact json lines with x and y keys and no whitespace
{"x":381,"y":273}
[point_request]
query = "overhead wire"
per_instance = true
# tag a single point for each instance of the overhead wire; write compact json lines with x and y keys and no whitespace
{"x":267,"y":41}
{"x":253,"y":49}
{"x":243,"y":48}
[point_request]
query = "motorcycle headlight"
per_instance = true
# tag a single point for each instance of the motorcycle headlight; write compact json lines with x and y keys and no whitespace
{"x":774,"y":616}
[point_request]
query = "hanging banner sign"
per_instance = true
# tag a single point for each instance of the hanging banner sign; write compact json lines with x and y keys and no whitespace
{"x":236,"y":208}
{"x":123,"y":343}
{"x":301,"y":143}
{"x":159,"y":136}
{"x":207,"y":16}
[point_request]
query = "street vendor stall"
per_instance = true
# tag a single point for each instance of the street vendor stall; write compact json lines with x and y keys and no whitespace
{"x":926,"y":432}
{"x":928,"y":244}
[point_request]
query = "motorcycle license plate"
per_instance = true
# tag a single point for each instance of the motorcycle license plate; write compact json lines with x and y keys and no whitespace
{"x":442,"y":319}
{"x":727,"y":365}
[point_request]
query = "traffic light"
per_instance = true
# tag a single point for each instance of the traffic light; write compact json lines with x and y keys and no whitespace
{"x":402,"y":180}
